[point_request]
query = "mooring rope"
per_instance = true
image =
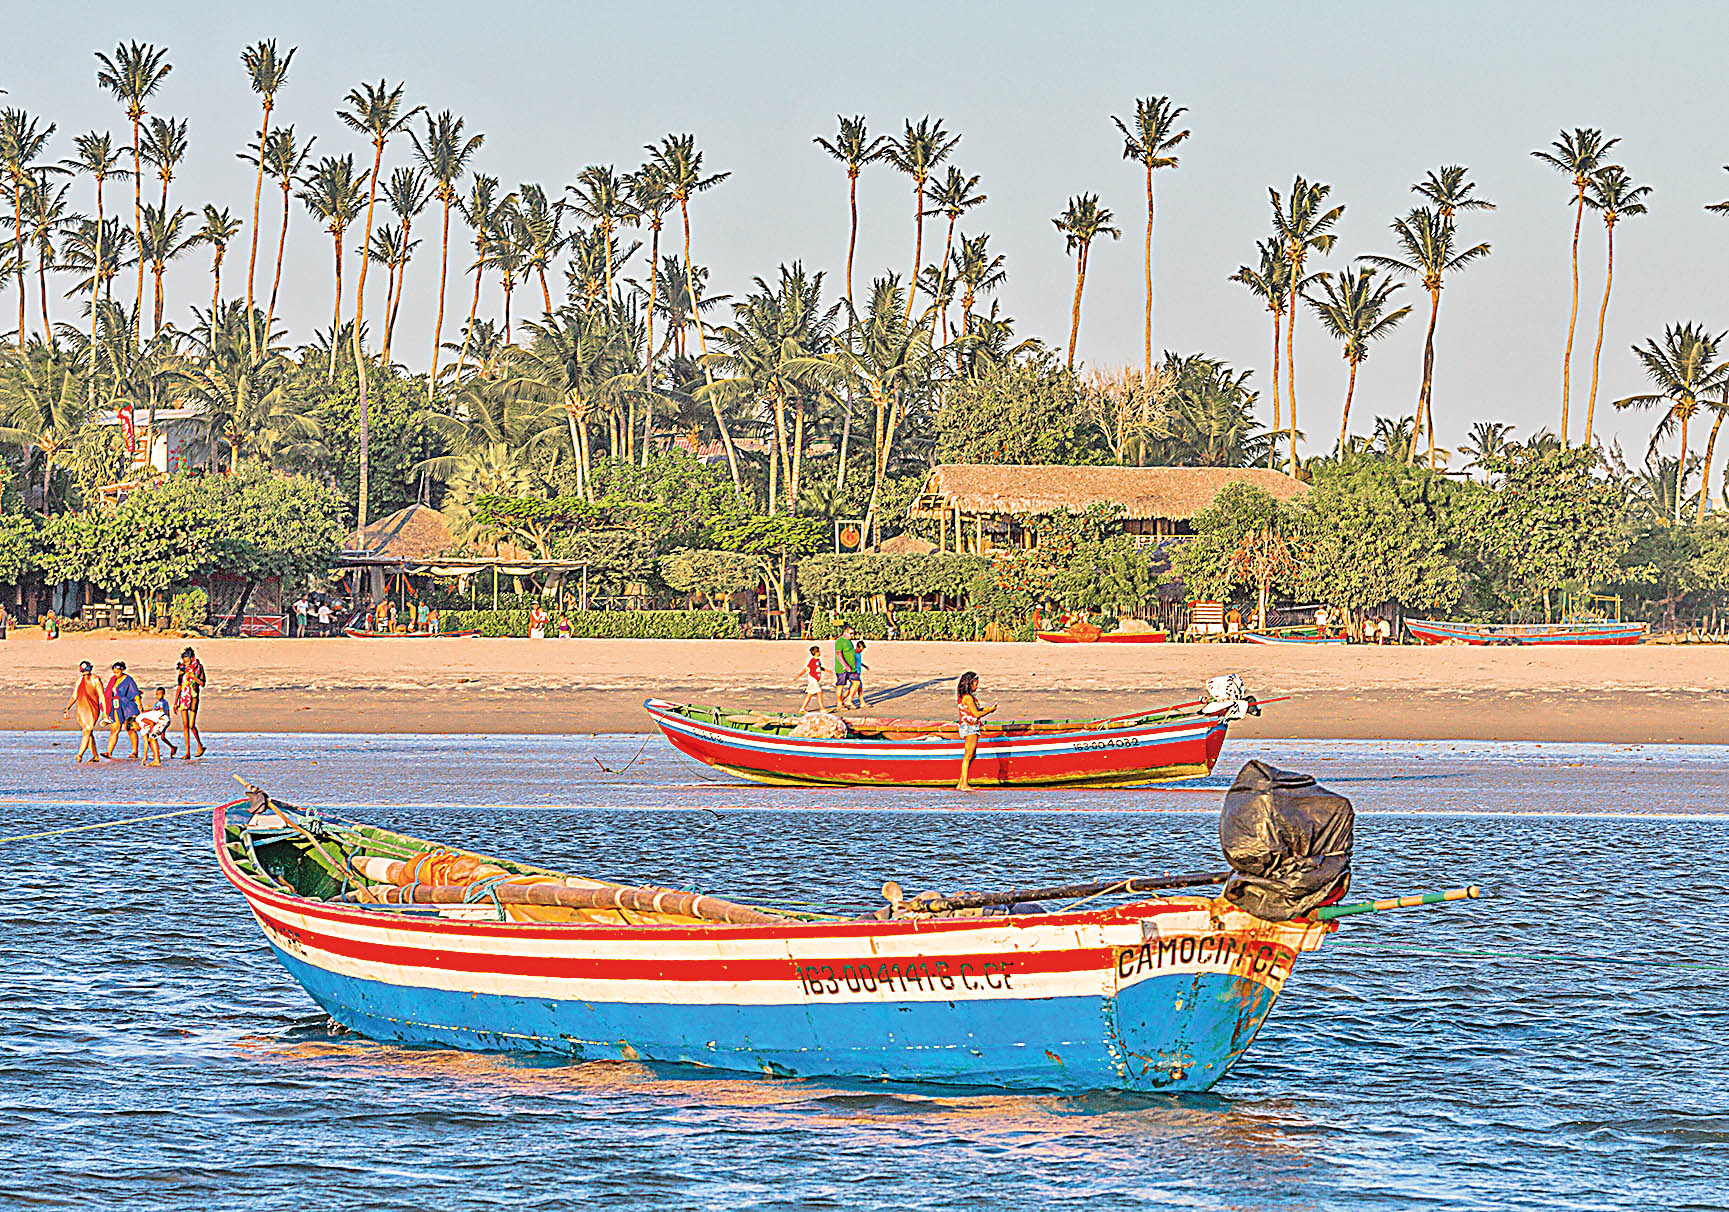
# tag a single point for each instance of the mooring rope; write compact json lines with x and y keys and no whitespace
{"x":131,"y":820}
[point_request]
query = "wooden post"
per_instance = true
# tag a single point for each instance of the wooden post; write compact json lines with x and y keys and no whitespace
{"x":495,"y":586}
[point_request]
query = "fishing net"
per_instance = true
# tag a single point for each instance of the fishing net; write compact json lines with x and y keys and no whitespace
{"x":820,"y":724}
{"x":1288,"y":840}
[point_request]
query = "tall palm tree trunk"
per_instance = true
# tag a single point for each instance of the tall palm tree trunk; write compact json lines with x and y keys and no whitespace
{"x":1597,"y":353}
{"x":95,"y":287}
{"x":1345,"y":417}
{"x":276,"y":282}
{"x":389,"y":302}
{"x":1075,"y":308}
{"x":1681,"y":471}
{"x":1573,"y":318}
{"x":851,"y":246}
{"x":1705,"y":478}
{"x":473,"y":310}
{"x":42,"y":291}
{"x":257,"y":200}
{"x":336,"y":307}
{"x":215,"y":286}
{"x":797,"y":454}
{"x":1278,"y":332}
{"x":918,"y":242}
{"x":648,"y":360}
{"x":365,"y":404}
{"x":1291,"y":363}
{"x":546,"y":295}
{"x":438,"y":324}
{"x":156,"y":268}
{"x":702,"y":344}
{"x":138,"y":221}
{"x":1428,"y":376}
{"x":1147,"y":334}
{"x":18,"y":258}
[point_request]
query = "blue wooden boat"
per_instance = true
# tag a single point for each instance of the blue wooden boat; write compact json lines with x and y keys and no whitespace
{"x":1593,"y":632}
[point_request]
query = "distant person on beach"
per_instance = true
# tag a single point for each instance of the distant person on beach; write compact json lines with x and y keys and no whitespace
{"x":858,"y":671}
{"x":432,"y":622}
{"x":50,"y":626}
{"x":972,"y":717}
{"x":188,"y":690}
{"x":121,"y":698}
{"x":1233,"y":623}
{"x":324,"y":618}
{"x":537,"y":623}
{"x":301,"y":609}
{"x":87,"y":701}
{"x":1322,"y":620}
{"x":845,"y":665}
{"x":813,"y":672}
{"x":421,"y":618}
{"x":4,"y":619}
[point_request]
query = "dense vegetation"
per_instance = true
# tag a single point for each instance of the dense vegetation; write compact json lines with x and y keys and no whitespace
{"x":621,"y":409}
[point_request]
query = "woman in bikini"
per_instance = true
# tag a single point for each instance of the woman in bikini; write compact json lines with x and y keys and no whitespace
{"x":972,"y":718}
{"x":186,"y":695}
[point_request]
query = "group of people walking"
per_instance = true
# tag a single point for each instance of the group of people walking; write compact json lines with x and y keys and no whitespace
{"x":118,"y":704}
{"x":849,"y":670}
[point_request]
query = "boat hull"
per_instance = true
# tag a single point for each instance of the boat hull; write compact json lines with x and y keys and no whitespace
{"x":356,"y":633}
{"x":1127,"y":757}
{"x":1429,"y":631}
{"x":1263,"y":637}
{"x":1162,"y":995}
{"x":1065,"y":637}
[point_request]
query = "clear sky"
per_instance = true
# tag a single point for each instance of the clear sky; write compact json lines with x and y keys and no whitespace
{"x":1366,"y":97}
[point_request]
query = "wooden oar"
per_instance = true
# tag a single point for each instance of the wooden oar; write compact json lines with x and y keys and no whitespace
{"x":1063,"y":892}
{"x":640,"y":900}
{"x":1398,"y":902}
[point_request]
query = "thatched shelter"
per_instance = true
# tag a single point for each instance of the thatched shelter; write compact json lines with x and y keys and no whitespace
{"x":979,"y":502}
{"x":418,"y":541}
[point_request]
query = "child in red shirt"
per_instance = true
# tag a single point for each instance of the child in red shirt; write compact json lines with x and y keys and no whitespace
{"x":813,"y":672}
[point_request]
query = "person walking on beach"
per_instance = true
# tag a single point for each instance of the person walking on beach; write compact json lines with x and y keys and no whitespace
{"x":845,"y":666}
{"x":813,"y":672}
{"x":972,"y":717}
{"x":121,"y":698}
{"x":858,"y":672}
{"x":154,"y":724}
{"x":87,"y":701}
{"x":188,"y":690}
{"x":50,"y":626}
{"x":324,"y":617}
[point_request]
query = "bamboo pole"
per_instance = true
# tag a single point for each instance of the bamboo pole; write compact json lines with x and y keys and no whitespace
{"x":640,"y":900}
{"x":1399,"y":902}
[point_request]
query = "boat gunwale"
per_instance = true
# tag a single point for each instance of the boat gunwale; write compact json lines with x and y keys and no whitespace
{"x":256,"y":892}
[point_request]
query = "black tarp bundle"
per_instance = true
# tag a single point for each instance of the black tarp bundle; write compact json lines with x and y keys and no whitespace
{"x":1288,"y":840}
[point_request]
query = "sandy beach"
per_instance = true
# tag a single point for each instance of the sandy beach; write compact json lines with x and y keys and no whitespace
{"x":1656,"y":693}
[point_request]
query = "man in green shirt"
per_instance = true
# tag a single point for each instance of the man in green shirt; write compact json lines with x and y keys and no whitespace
{"x":846,"y":668}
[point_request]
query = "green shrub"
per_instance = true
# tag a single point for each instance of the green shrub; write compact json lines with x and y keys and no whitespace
{"x":919,"y":625}
{"x":603,"y":624}
{"x":189,"y":609}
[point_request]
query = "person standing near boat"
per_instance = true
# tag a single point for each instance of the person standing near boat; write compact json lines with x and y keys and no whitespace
{"x":813,"y":672}
{"x":121,"y":695}
{"x":188,"y":690}
{"x":87,"y":700}
{"x":972,"y":717}
{"x":845,"y":666}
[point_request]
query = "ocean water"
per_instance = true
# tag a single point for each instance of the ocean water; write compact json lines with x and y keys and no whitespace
{"x":1559,"y":1044}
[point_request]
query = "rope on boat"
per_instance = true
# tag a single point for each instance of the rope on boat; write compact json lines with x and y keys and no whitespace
{"x":130,"y":820}
{"x":624,"y":768}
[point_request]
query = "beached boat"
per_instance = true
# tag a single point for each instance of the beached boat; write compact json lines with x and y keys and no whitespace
{"x":1179,"y":742}
{"x":1577,"y":631}
{"x":1102,"y":637}
{"x":402,"y":940}
{"x":360,"y":633}
{"x":1290,"y":637}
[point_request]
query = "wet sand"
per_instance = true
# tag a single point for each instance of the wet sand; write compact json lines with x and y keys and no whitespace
{"x":1649,"y":693}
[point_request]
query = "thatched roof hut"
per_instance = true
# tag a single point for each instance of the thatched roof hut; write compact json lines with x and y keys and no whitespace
{"x":415,"y":534}
{"x":1156,"y":501}
{"x":1145,"y":493}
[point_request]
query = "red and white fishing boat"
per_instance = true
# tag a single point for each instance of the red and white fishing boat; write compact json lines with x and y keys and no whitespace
{"x":1594,"y":632}
{"x":1102,"y":637}
{"x":1181,"y":742}
{"x":361,"y":633}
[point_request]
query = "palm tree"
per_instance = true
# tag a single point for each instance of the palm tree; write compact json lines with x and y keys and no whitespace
{"x":1576,"y":155}
{"x":539,"y":220}
{"x":333,"y":194}
{"x":389,"y":249}
{"x":1489,"y":440}
{"x":1612,"y":192}
{"x":49,"y":218}
{"x":39,"y":405}
{"x":1301,"y":227}
{"x":219,"y":228}
{"x":507,"y":250}
{"x":267,"y":73}
{"x":96,"y":155}
{"x":22,"y":141}
{"x":133,"y":74}
{"x":1151,"y":143}
{"x":854,"y":147}
{"x":284,"y":161}
{"x":1354,"y":312}
{"x":165,"y":145}
{"x":577,"y":358}
{"x":917,"y":153}
{"x":762,"y":360}
{"x":444,"y":154}
{"x":1270,"y":282}
{"x":241,"y":396}
{"x":1683,"y":369}
{"x":1429,"y":247}
{"x":374,"y":110}
{"x":97,"y":249}
{"x":980,"y":272}
{"x":679,"y":166}
{"x":1451,"y":190}
{"x":480,"y":212}
{"x":407,"y":194}
{"x":165,"y":238}
{"x":602,"y":197}
{"x":953,"y":197}
{"x":649,"y":202}
{"x":1082,"y":223}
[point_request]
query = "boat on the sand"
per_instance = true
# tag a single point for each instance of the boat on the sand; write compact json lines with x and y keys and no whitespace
{"x":1180,"y":742}
{"x":1306,"y":636}
{"x":361,"y":633}
{"x":1596,"y":632}
{"x":405,"y":940}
